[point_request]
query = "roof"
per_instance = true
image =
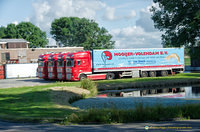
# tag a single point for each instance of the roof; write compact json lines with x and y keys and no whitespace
{"x":12,"y":40}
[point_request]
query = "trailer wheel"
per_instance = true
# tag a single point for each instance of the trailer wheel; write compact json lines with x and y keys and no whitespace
{"x":144,"y":74}
{"x":82,"y":77}
{"x":152,"y":74}
{"x":110,"y":76}
{"x":164,"y":73}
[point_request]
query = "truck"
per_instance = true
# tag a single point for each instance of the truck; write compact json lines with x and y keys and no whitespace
{"x":118,"y":63}
{"x":61,"y":64}
{"x":43,"y":66}
{"x":52,"y":66}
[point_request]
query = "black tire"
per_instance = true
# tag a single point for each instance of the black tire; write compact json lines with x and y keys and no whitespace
{"x":144,"y":74}
{"x":164,"y":73}
{"x":82,"y":77}
{"x":152,"y":74}
{"x":110,"y":76}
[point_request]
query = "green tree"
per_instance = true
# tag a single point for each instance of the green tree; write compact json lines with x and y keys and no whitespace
{"x":27,"y":31}
{"x":2,"y":32}
{"x":11,"y":31}
{"x":33,"y":34}
{"x":73,"y":31}
{"x":180,"y":22}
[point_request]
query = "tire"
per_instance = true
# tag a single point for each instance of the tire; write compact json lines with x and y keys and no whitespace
{"x":152,"y":74}
{"x":144,"y":74}
{"x":82,"y":77}
{"x":110,"y":76}
{"x":164,"y":73}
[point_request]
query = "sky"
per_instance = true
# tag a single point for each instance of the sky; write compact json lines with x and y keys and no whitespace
{"x":128,"y":21}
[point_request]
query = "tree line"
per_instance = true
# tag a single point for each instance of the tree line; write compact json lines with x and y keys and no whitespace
{"x":67,"y":31}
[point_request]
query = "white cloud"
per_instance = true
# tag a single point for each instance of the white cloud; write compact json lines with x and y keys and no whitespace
{"x":15,"y":22}
{"x":45,"y":11}
{"x":136,"y":37}
{"x":143,"y":35}
{"x":109,"y":14}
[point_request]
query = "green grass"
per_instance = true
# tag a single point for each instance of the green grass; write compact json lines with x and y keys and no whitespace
{"x":140,"y":113}
{"x":35,"y":103}
{"x":150,"y":79}
{"x":187,"y":62}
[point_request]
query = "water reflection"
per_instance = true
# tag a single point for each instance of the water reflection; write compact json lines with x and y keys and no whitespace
{"x":174,"y":92}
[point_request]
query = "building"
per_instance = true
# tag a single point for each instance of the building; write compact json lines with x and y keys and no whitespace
{"x":17,"y":51}
{"x":13,"y":43}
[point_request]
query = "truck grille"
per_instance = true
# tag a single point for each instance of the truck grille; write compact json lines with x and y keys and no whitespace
{"x":59,"y":70}
{"x":59,"y":75}
{"x":69,"y":76}
{"x":68,"y":70}
{"x":50,"y":69}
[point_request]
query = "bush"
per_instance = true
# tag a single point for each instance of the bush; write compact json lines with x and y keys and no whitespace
{"x":89,"y":85}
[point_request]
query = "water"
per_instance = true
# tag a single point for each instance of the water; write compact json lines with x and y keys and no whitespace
{"x":187,"y":92}
{"x":128,"y":99}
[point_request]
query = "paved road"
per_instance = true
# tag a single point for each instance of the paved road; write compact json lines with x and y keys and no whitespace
{"x":9,"y":83}
{"x":192,"y":125}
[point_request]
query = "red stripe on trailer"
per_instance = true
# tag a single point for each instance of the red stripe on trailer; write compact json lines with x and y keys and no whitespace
{"x":136,"y":67}
{"x":97,"y":76}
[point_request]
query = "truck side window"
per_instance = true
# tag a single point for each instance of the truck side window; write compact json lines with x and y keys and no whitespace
{"x":78,"y":62}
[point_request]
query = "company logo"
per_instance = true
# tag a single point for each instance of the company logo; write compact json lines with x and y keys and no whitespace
{"x":106,"y":55}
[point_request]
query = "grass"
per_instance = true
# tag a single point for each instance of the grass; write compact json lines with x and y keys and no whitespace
{"x":187,"y":62}
{"x":140,"y":113}
{"x":180,"y":76}
{"x":35,"y":103}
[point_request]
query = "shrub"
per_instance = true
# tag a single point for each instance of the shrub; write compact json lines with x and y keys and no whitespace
{"x":89,"y":85}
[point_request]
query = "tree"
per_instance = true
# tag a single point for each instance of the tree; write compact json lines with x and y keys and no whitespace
{"x":180,"y":22}
{"x":73,"y":31}
{"x":2,"y":32}
{"x":11,"y":31}
{"x":27,"y":31}
{"x":33,"y":34}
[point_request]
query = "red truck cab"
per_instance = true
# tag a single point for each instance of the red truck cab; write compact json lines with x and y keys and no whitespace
{"x":78,"y":65}
{"x":43,"y":66}
{"x":61,"y":64}
{"x":52,"y":66}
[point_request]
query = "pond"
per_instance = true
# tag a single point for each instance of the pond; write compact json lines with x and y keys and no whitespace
{"x":128,"y":99}
{"x":186,"y":92}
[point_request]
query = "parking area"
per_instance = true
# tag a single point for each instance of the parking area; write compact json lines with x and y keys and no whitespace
{"x":9,"y":83}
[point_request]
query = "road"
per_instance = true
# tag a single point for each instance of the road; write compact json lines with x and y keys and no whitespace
{"x":192,"y":125}
{"x":9,"y":83}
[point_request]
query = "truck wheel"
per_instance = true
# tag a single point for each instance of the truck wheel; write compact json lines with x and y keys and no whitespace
{"x":164,"y":73}
{"x":144,"y":74}
{"x":82,"y":77}
{"x":152,"y":74}
{"x":110,"y":76}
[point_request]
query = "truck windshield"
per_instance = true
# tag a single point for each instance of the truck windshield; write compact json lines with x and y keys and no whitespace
{"x":60,"y":63}
{"x":50,"y":63}
{"x":69,"y":63}
{"x":40,"y":63}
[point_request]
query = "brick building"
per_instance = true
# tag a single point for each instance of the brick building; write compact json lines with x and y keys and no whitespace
{"x":16,"y":50}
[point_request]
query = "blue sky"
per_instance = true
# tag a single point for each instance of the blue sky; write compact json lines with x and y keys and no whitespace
{"x":128,"y":20}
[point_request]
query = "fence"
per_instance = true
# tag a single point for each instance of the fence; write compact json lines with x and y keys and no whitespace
{"x":21,"y":70}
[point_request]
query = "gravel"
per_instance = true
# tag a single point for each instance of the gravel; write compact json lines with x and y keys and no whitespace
{"x":129,"y":102}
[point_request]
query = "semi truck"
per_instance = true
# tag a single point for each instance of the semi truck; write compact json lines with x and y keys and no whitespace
{"x":43,"y":66}
{"x":118,"y":63}
{"x":61,"y":64}
{"x":52,"y":66}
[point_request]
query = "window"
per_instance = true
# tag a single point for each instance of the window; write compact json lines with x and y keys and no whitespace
{"x":41,"y":63}
{"x":69,"y":63}
{"x":78,"y":62}
{"x":60,"y":63}
{"x":50,"y":63}
{"x":5,"y":56}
